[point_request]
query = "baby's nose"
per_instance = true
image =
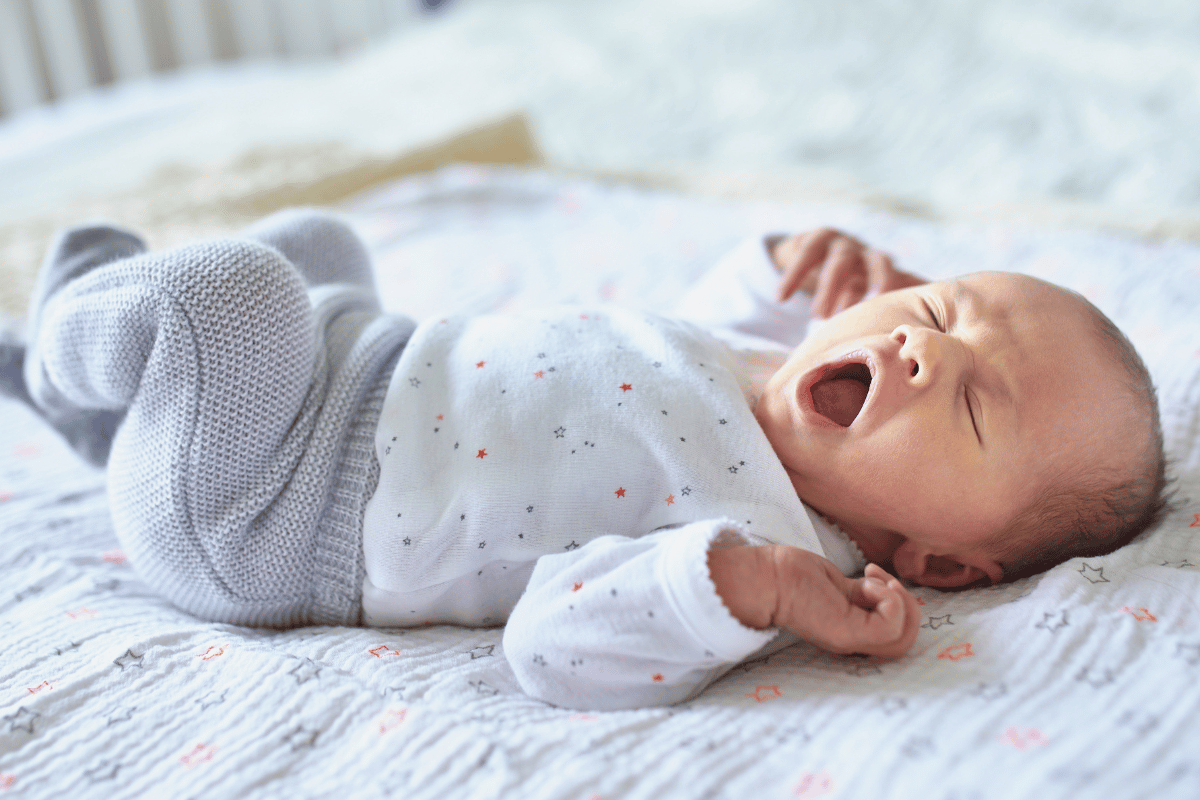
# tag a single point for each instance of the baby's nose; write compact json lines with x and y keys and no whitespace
{"x":918,"y":352}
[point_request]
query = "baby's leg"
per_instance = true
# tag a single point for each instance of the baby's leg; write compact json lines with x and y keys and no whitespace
{"x":335,"y":265}
{"x":323,"y":247}
{"x":240,"y":421}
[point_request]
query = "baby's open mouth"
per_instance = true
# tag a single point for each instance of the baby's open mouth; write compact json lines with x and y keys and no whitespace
{"x":840,"y":393}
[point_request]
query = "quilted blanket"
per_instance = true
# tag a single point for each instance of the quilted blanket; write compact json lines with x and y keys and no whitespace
{"x":1082,"y":682}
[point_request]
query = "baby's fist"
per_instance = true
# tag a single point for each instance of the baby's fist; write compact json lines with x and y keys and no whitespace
{"x":874,"y":614}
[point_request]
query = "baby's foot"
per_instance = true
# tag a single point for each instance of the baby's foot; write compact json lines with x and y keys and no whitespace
{"x":76,"y":252}
{"x":89,"y":433}
{"x":12,"y":371}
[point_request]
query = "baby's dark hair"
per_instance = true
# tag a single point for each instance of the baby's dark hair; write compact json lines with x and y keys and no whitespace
{"x":1096,"y":511}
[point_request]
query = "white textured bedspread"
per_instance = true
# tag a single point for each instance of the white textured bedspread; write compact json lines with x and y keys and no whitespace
{"x":1084,"y":682}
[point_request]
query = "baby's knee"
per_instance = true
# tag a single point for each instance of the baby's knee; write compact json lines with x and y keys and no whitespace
{"x":233,"y":273}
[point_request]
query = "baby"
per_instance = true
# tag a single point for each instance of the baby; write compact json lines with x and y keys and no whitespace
{"x":621,"y":491}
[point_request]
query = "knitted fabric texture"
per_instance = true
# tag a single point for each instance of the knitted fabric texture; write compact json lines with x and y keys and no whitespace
{"x":238,"y":477}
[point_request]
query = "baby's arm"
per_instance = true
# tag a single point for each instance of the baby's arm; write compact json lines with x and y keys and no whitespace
{"x":804,"y":593}
{"x":630,"y":622}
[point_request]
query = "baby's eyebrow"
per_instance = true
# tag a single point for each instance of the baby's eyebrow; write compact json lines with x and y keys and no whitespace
{"x":966,"y":297}
{"x":964,"y":294}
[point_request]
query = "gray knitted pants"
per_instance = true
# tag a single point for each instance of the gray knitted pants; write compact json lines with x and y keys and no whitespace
{"x":250,"y":373}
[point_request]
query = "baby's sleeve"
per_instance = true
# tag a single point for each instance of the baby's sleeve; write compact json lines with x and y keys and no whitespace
{"x":628,"y":623}
{"x":736,"y":300}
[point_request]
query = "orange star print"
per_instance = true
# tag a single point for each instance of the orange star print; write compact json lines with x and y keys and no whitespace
{"x":201,"y":754}
{"x":957,"y":652}
{"x":1023,"y":738}
{"x":1140,"y":614}
{"x":761,"y":693}
{"x":628,"y":387}
{"x":392,"y":719}
{"x":620,"y":492}
{"x":813,"y":784}
{"x":383,"y":651}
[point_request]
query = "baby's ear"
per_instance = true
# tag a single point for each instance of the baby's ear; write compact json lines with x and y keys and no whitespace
{"x":917,"y":564}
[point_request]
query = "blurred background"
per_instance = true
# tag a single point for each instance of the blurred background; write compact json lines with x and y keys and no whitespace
{"x":945,"y":107}
{"x":51,"y":49}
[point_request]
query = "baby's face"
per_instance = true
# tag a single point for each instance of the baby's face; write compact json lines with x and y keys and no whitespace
{"x":975,"y":393}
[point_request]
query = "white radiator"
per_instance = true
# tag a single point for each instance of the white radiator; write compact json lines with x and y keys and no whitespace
{"x":50,"y":49}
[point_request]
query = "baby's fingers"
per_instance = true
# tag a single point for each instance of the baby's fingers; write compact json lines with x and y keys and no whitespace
{"x":799,"y":256}
{"x":841,"y":268}
{"x":887,"y":615}
{"x":881,"y":273}
{"x":892,"y":621}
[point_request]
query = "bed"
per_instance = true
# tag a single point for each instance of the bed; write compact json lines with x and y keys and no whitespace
{"x":1081,"y":682}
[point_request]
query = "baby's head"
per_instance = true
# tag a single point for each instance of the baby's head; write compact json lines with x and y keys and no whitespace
{"x":978,"y":429}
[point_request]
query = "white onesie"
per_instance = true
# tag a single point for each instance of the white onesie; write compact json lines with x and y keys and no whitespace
{"x":566,"y":473}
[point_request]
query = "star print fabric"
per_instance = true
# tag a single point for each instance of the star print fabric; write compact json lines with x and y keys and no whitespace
{"x":506,"y":438}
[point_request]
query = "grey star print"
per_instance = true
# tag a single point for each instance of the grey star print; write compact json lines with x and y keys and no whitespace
{"x":305,"y":671}
{"x":990,"y":691}
{"x":22,"y":720}
{"x":104,"y":771}
{"x":302,"y":738}
{"x":1052,"y":622}
{"x":124,"y":715}
{"x":1096,"y":677}
{"x":210,"y":700}
{"x":129,"y":660}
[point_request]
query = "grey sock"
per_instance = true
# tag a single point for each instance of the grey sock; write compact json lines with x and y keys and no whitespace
{"x":12,"y":377}
{"x":323,"y":247}
{"x":76,"y":252}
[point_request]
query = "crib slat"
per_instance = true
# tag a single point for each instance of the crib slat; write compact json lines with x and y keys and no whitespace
{"x":354,"y":22}
{"x":19,"y":84}
{"x":304,"y":29}
{"x":65,"y":54}
{"x":126,"y":37}
{"x":190,"y":31}
{"x":254,"y":28}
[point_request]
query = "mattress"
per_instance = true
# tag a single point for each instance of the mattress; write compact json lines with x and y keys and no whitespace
{"x":1081,"y":682}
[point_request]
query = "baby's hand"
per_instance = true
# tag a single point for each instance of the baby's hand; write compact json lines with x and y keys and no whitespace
{"x":777,"y":585}
{"x":835,"y":268}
